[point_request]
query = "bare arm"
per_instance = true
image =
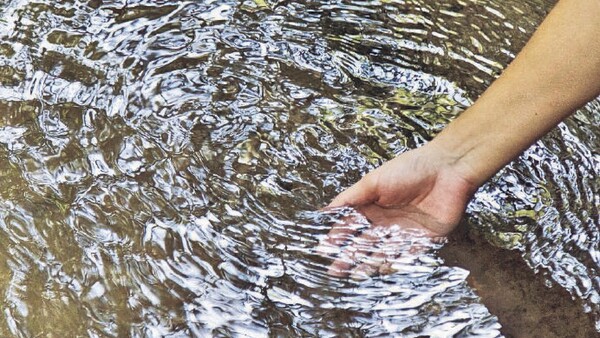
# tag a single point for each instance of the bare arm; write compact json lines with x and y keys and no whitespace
{"x":557,"y":72}
{"x":427,"y":189}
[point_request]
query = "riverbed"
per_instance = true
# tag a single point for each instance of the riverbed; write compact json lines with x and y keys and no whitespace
{"x":163,"y":164}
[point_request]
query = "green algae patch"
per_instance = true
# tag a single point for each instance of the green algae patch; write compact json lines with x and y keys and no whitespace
{"x":138,"y":12}
{"x":63,"y":38}
{"x":68,"y":68}
{"x":6,"y":50}
{"x":10,"y":76}
{"x":252,"y":6}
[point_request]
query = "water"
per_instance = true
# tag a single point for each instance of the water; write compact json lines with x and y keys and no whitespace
{"x":162,"y":162}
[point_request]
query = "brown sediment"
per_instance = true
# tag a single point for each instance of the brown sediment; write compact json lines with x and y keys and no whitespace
{"x":524,"y":305}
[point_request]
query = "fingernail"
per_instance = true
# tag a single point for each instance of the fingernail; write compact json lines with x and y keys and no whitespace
{"x":359,"y":275}
{"x":327,"y":250}
{"x":386,"y":269}
{"x":335,"y":272}
{"x":364,"y":271}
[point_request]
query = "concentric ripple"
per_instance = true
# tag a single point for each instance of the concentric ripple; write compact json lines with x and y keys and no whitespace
{"x":162,"y":161}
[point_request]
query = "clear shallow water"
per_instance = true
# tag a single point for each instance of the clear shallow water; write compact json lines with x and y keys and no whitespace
{"x":161,"y":162}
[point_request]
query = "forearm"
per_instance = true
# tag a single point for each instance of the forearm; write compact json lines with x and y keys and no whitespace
{"x":557,"y":72}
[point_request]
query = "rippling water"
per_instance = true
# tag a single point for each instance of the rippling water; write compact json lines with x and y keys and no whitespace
{"x":161,"y":162}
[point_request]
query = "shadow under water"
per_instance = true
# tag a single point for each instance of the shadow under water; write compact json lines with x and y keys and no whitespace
{"x":161,"y":162}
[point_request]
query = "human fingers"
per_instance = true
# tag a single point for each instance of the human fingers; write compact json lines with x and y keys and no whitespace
{"x":369,"y":266}
{"x":398,"y":245}
{"x":362,"y":192}
{"x":360,"y":247}
{"x":341,"y":232}
{"x":392,"y":244}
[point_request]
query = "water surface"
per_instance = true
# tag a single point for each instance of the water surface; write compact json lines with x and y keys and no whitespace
{"x":162,"y":162}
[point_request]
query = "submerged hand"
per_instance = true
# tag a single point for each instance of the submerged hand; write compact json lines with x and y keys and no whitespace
{"x":426,"y":190}
{"x":419,"y":193}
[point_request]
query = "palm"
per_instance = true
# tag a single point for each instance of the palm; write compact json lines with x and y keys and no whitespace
{"x":415,"y":193}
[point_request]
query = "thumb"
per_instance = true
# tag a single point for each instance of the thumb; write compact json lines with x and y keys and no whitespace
{"x":362,"y":192}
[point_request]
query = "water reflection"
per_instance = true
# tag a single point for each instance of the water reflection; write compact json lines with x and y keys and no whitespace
{"x":160,"y":162}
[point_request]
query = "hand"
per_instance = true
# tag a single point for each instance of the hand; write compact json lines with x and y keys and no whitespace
{"x":421,"y":193}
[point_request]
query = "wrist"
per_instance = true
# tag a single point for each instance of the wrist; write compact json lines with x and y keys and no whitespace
{"x":470,"y":151}
{"x":455,"y":162}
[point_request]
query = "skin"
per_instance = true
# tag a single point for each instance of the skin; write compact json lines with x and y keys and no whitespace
{"x":426,"y":190}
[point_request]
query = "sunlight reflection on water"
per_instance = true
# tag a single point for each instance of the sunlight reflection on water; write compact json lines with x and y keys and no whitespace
{"x":161,"y":161}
